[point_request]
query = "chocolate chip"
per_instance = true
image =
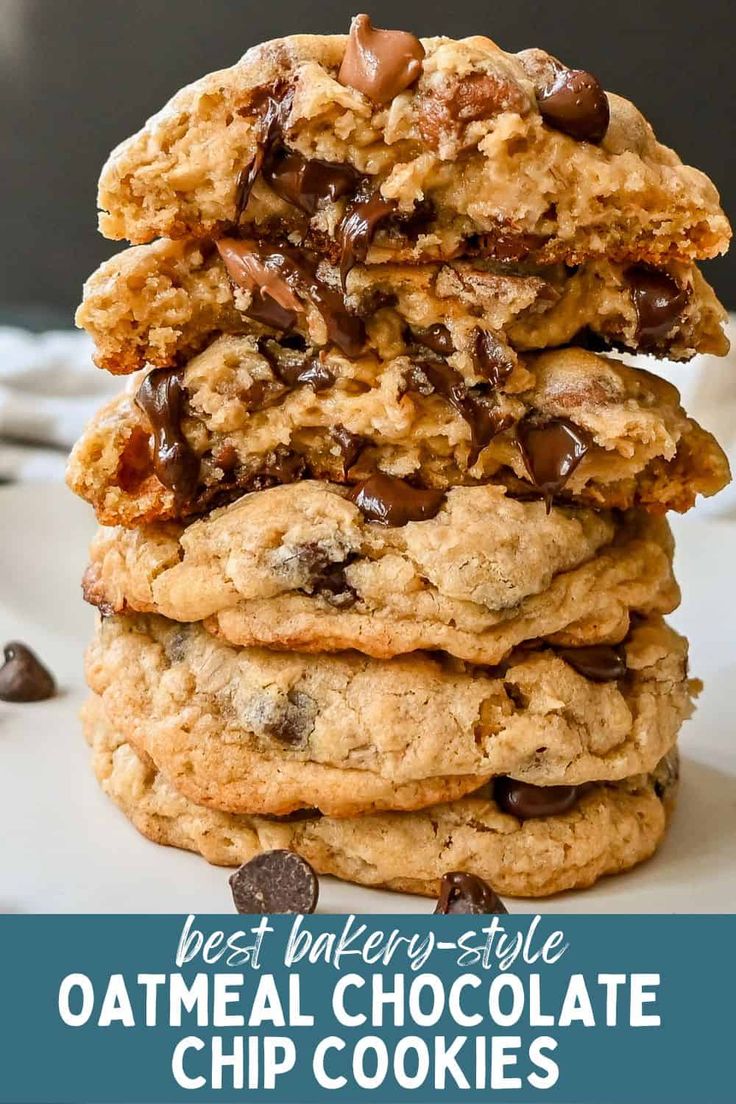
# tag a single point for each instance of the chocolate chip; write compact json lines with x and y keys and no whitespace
{"x":23,"y":678}
{"x":575,"y":103}
{"x":658,"y":301}
{"x":525,"y":801}
{"x":467,"y":894}
{"x":492,"y":360}
{"x":597,"y":662}
{"x":393,"y":502}
{"x":306,"y":183}
{"x":437,"y":338}
{"x":380,"y":64}
{"x":358,"y":228}
{"x":319,"y":575}
{"x":161,"y":397}
{"x":551,"y":451}
{"x":350,"y":446}
{"x":275,"y":882}
{"x":292,"y":818}
{"x":332,"y":585}
{"x":666,"y":775}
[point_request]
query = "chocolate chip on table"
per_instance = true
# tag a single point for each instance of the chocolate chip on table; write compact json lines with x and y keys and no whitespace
{"x":161,"y":397}
{"x":468,"y":894}
{"x":658,"y":301}
{"x":275,"y":882}
{"x":597,"y":662}
{"x":522,"y":800}
{"x":390,"y":501}
{"x":306,"y":183}
{"x":551,"y":451}
{"x":23,"y":677}
{"x":380,"y":64}
{"x":575,"y":103}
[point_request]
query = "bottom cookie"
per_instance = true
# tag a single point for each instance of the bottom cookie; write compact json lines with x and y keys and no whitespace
{"x":610,"y":828}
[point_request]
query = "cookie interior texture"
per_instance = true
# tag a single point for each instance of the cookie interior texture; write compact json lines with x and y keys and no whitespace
{"x":251,"y":730}
{"x":299,"y":567}
{"x":165,"y":302}
{"x":236,"y":426}
{"x":611,"y":828}
{"x":525,"y":190}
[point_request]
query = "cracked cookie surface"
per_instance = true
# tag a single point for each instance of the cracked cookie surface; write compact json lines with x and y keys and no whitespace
{"x":300,"y":567}
{"x":240,"y":427}
{"x":610,"y":829}
{"x":162,"y":302}
{"x":200,"y":166}
{"x":248,"y":730}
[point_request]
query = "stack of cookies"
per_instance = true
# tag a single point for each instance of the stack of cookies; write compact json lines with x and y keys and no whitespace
{"x":384,"y":558}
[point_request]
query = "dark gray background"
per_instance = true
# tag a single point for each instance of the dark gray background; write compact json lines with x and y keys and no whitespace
{"x":77,"y":76}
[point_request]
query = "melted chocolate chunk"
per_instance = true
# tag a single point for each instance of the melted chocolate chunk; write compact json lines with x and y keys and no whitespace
{"x":473,"y":405}
{"x":575,"y":103}
{"x":525,"y":801}
{"x":349,"y":444}
{"x":275,"y":882}
{"x":295,"y":370}
{"x":393,"y":502}
{"x":358,"y":228}
{"x":380,"y":64}
{"x":23,"y":677}
{"x":597,"y":662}
{"x":491,"y":359}
{"x":437,"y":338}
{"x":273,"y":107}
{"x":307,"y":183}
{"x":281,"y":466}
{"x":551,"y":451}
{"x":162,"y":398}
{"x":659,"y":303}
{"x":467,"y":894}
{"x":282,"y":274}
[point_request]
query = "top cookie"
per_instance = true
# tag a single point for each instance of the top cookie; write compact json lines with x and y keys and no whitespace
{"x":378,"y":146}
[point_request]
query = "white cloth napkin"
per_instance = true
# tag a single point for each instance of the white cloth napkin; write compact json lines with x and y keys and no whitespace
{"x":49,"y":388}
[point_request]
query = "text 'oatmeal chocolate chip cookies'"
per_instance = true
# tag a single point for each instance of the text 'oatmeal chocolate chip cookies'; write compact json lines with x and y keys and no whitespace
{"x":384,"y":557}
{"x":23,"y":677}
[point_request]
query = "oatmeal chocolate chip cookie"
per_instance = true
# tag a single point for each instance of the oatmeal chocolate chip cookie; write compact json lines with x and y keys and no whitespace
{"x":566,"y":424}
{"x":160,"y":303}
{"x":248,"y":730}
{"x":506,"y":155}
{"x":609,"y":829}
{"x":301,"y":567}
